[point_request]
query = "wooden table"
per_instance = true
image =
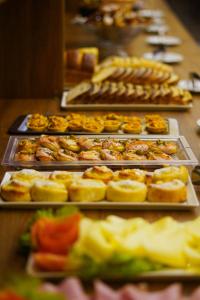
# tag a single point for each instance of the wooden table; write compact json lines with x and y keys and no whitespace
{"x":13,"y":222}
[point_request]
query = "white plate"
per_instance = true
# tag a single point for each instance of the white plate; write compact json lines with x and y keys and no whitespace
{"x":191,"y":202}
{"x":169,"y":57}
{"x":157,"y":28}
{"x":167,"y":274}
{"x":151,"y":13}
{"x":191,"y":85}
{"x":163,"y":40}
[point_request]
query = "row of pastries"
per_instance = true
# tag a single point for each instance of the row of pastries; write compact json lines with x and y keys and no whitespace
{"x":106,"y":123}
{"x":73,"y":148}
{"x":98,"y":183}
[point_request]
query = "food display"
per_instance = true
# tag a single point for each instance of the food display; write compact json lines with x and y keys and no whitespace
{"x":111,"y":248}
{"x":134,"y":70}
{"x":99,"y":184}
{"x":96,"y":124}
{"x":108,"y":92}
{"x":82,"y":59}
{"x":72,"y":288}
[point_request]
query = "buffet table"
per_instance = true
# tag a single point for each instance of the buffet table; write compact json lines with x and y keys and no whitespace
{"x":13,"y":221}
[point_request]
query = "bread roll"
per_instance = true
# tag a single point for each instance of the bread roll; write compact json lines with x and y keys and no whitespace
{"x":48,"y":191}
{"x":16,"y":191}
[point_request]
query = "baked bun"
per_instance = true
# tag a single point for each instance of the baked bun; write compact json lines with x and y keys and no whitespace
{"x":87,"y":190}
{"x":126,"y":191}
{"x":172,"y":191}
{"x":99,"y":172}
{"x":29,"y":175}
{"x":170,"y":173}
{"x":16,"y":191}
{"x":63,"y":177}
{"x":48,"y":191}
{"x":133,"y":174}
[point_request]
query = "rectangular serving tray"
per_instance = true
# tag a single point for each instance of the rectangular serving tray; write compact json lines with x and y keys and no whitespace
{"x":191,"y":202}
{"x":19,"y":127}
{"x":168,"y":274}
{"x":124,"y":107}
{"x":184,"y":155}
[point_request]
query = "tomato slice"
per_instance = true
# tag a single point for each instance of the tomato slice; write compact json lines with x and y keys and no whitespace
{"x":50,"y":262}
{"x":10,"y":296}
{"x":55,"y":235}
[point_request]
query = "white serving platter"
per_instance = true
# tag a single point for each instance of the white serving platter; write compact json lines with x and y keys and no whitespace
{"x":191,"y":202}
{"x":163,"y":40}
{"x":122,"y":107}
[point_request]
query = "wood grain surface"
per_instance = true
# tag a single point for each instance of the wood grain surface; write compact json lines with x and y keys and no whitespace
{"x":13,"y":222}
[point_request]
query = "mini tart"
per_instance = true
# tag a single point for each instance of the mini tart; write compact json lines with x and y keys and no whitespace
{"x":131,"y":128}
{"x":111,"y":125}
{"x":170,"y":173}
{"x":133,"y":174}
{"x":173,"y":191}
{"x":37,"y":122}
{"x":63,"y":177}
{"x":75,"y":125}
{"x":29,"y":175}
{"x":126,"y":191}
{"x":16,"y":191}
{"x":69,"y":143}
{"x":48,"y":191}
{"x":99,"y":172}
{"x":157,"y":126}
{"x":57,"y":123}
{"x":91,"y":125}
{"x":87,"y":190}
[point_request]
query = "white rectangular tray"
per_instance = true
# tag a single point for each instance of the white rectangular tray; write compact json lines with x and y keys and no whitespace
{"x":168,"y":274}
{"x":132,"y":107}
{"x":191,"y":202}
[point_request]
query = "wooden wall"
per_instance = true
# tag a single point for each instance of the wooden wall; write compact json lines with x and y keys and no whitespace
{"x":31,"y":48}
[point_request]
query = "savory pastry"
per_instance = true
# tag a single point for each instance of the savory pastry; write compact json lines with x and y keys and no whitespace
{"x":140,"y":147}
{"x":107,"y":154}
{"x":49,"y":142}
{"x":48,"y":191}
{"x":92,"y":125}
{"x":133,"y":174}
{"x":85,"y":143}
{"x":63,"y":177}
{"x":75,"y":125}
{"x":44,"y":154}
{"x":57,"y":123}
{"x":89,"y":155}
{"x":24,"y":156}
{"x":87,"y":190}
{"x":132,"y":155}
{"x":126,"y":191}
{"x":69,"y":143}
{"x":27,"y":146}
{"x":27,"y":175}
{"x":170,"y":173}
{"x":156,"y":124}
{"x":151,"y":155}
{"x":131,"y":127}
{"x":113,"y":117}
{"x":173,"y":191}
{"x":113,"y":144}
{"x":111,"y":125}
{"x":65,"y":155}
{"x":167,"y":147}
{"x":99,"y":172}
{"x":16,"y":191}
{"x":37,"y":122}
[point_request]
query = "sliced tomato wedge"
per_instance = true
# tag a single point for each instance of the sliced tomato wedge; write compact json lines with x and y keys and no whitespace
{"x":55,"y":235}
{"x":50,"y":262}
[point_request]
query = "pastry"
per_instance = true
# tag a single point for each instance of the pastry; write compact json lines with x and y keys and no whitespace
{"x":126,"y":191}
{"x":173,"y":191}
{"x":28,"y":175}
{"x":113,"y":144}
{"x":89,"y":155}
{"x":37,"y":122}
{"x":87,"y":190}
{"x":44,"y":154}
{"x":99,"y":172}
{"x":107,"y":154}
{"x":111,"y":125}
{"x":69,"y":143}
{"x":16,"y":191}
{"x":132,"y":127}
{"x":170,"y":173}
{"x":63,"y":177}
{"x":65,"y":155}
{"x":48,"y":191}
{"x":57,"y":123}
{"x":49,"y":142}
{"x":133,"y":174}
{"x":24,"y":156}
{"x":92,"y":125}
